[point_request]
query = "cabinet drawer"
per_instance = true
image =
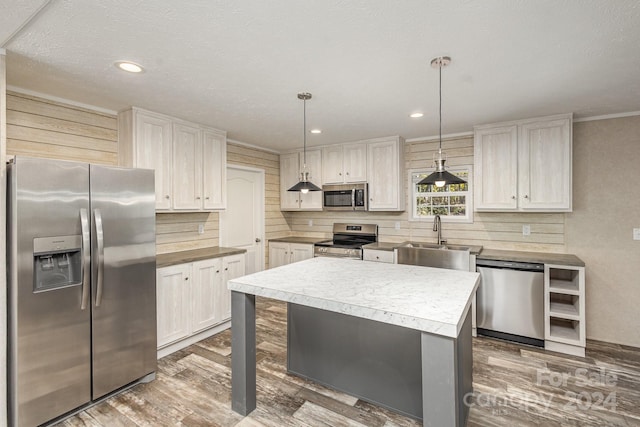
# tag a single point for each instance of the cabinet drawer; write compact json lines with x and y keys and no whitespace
{"x":378,"y":256}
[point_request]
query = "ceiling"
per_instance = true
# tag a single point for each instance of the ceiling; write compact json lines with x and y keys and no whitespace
{"x":238,"y":65}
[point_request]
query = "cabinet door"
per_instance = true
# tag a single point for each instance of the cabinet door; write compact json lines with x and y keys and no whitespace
{"x":153,"y":142}
{"x":278,"y":254}
{"x":233,"y":266}
{"x":173,"y":303}
{"x":332,"y":164}
{"x":544,"y":162}
{"x":289,"y":176}
{"x":386,"y":190}
{"x":207,"y":277}
{"x":214,"y":170}
{"x":300,"y":251}
{"x":355,"y":162}
{"x":496,"y":168}
{"x":187,"y":167}
{"x":313,"y":199}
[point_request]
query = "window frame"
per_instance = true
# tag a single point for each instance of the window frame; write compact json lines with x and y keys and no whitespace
{"x":467,"y":219}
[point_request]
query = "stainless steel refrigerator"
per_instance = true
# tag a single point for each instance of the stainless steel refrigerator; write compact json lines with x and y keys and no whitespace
{"x":82,"y":296}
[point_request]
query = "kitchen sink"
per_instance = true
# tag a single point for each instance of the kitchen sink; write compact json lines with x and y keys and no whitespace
{"x":434,"y":246}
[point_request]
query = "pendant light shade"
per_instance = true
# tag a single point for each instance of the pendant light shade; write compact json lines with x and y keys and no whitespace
{"x":304,"y":185}
{"x":440,"y":177}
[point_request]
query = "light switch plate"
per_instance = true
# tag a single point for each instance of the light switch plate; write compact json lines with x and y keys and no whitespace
{"x":526,"y":230}
{"x":310,"y":223}
{"x":200,"y":228}
{"x":636,"y":234}
{"x":397,"y":225}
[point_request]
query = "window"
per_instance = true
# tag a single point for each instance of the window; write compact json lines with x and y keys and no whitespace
{"x":454,"y":203}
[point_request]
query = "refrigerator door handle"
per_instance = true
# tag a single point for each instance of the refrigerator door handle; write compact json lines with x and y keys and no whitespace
{"x":86,"y":257}
{"x":100,"y":255}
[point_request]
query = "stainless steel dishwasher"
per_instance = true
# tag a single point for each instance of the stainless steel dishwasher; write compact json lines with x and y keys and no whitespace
{"x":510,"y":301}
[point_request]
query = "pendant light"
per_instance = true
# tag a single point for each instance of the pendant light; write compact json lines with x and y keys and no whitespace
{"x":440,"y":177}
{"x":304,"y":186}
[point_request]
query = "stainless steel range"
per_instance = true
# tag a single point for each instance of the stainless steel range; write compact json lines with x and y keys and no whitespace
{"x":347,"y":241}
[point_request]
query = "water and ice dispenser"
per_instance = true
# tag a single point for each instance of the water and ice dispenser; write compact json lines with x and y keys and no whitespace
{"x":57,"y":262}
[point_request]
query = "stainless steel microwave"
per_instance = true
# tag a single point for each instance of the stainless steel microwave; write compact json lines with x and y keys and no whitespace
{"x":345,"y":197}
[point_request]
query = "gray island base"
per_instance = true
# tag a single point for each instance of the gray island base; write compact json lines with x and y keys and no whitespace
{"x":397,"y":336}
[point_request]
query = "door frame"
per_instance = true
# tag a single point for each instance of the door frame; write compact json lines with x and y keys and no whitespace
{"x":261,"y":204}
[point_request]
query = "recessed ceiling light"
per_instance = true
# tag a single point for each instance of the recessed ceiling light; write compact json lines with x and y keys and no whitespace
{"x":416,"y":115}
{"x":130,"y":67}
{"x":316,"y":131}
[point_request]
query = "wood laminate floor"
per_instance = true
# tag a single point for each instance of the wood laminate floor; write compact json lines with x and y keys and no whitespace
{"x":513,"y":385}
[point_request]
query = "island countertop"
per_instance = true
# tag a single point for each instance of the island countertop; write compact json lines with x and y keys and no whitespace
{"x":427,"y":299}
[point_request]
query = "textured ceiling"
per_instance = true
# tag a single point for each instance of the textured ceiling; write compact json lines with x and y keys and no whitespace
{"x":238,"y":65}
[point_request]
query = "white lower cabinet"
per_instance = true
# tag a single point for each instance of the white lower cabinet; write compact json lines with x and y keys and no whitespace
{"x":173,"y":290}
{"x":193,"y":298}
{"x":282,"y":253}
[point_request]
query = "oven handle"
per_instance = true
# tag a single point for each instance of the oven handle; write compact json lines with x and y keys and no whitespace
{"x":353,"y":198}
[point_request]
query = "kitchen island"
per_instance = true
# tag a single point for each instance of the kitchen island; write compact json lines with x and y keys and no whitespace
{"x":350,"y":322}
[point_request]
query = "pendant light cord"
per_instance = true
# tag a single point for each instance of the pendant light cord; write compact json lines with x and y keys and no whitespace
{"x":304,"y":131}
{"x":440,"y":109}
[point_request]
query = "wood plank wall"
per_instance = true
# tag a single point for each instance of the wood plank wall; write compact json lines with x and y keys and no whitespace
{"x":491,"y":230}
{"x":39,"y":127}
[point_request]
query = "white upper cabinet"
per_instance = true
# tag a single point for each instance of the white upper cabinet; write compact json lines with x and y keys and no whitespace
{"x":545,"y":153}
{"x":189,"y":160}
{"x":187,"y":167}
{"x":386,"y":186}
{"x":214,"y":177}
{"x":146,"y":141}
{"x":495,"y":159}
{"x":524,"y":165}
{"x":290,"y":166}
{"x":379,"y":162}
{"x":344,"y":163}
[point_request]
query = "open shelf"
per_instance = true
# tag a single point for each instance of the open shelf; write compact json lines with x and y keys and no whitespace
{"x":564,"y":281}
{"x":564,"y":306}
{"x":567,"y":331}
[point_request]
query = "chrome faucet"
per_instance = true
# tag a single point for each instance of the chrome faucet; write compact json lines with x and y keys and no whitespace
{"x":437,"y":226}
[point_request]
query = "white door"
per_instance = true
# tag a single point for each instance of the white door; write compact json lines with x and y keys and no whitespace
{"x":242,"y":223}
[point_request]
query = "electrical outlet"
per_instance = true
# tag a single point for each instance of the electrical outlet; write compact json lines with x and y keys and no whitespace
{"x":200,"y":228}
{"x":397,"y":225}
{"x":526,"y":230}
{"x":636,"y":234}
{"x":310,"y":223}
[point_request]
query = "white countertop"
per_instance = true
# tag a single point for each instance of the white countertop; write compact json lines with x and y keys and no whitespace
{"x":428,"y":299}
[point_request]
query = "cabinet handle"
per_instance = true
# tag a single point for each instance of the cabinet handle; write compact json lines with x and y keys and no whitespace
{"x":226,"y":269}
{"x":186,"y":278}
{"x":377,"y":257}
{"x":339,"y":173}
{"x":198,"y":198}
{"x":347,"y":173}
{"x":513,"y":197}
{"x":371,"y":199}
{"x":217,"y":271}
{"x":206,"y":198}
{"x":526,"y":196}
{"x":166,"y":197}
